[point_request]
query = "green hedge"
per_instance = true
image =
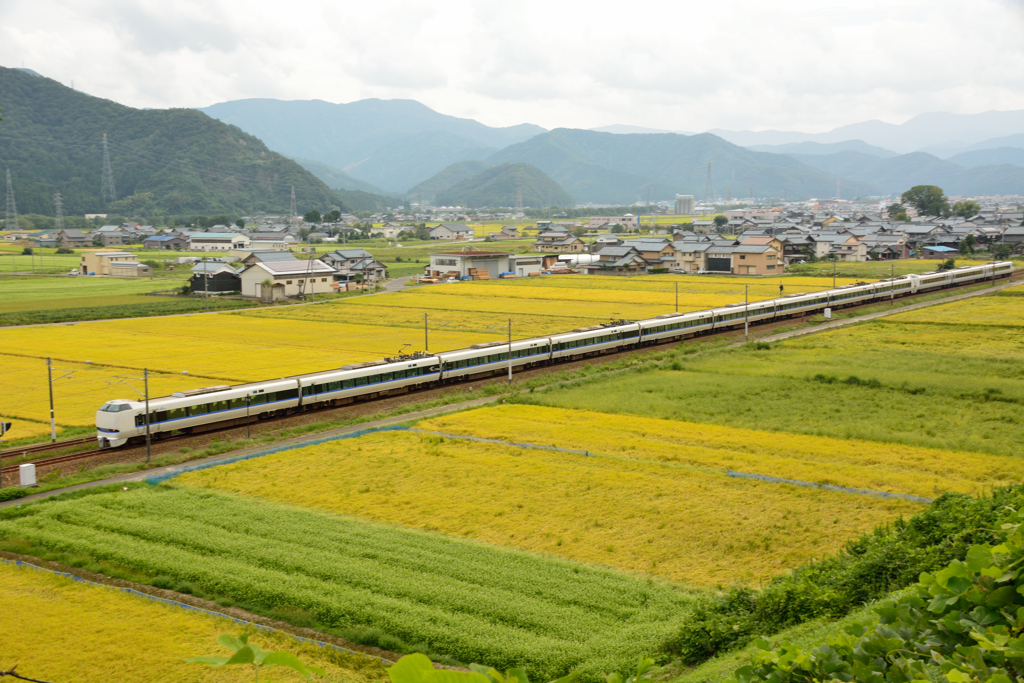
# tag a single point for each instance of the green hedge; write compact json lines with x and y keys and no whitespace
{"x":868,"y":568}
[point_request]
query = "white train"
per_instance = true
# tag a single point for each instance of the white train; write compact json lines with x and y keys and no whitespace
{"x":122,"y":421}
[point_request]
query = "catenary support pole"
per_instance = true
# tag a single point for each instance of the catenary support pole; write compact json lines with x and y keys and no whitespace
{"x":892,"y":283}
{"x":145,"y":384}
{"x":677,"y":297}
{"x":746,"y":312}
{"x":426,"y":335}
{"x":510,"y":350}
{"x":49,"y":382}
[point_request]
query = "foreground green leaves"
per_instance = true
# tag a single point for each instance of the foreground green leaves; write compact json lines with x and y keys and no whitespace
{"x":962,"y":624}
{"x":251,"y":653}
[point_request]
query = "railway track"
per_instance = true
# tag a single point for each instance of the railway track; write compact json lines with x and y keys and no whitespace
{"x":44,"y":447}
{"x":42,"y":463}
{"x":50,"y":462}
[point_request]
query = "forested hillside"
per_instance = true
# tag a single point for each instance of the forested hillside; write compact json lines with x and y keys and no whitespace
{"x":605,"y":167}
{"x":500,"y":185}
{"x":175,"y":161}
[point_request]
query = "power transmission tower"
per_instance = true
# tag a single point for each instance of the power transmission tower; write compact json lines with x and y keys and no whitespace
{"x":107,"y":184}
{"x":11,"y":222}
{"x":709,"y":191}
{"x":294,"y":210}
{"x":59,"y":223}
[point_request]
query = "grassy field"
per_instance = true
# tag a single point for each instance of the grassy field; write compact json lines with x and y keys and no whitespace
{"x":928,"y":384}
{"x":664,"y":518}
{"x":470,"y":601}
{"x":925,"y":472}
{"x":72,"y":631}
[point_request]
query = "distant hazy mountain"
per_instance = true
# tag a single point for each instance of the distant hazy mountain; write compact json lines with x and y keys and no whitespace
{"x":444,"y":179}
{"x":620,"y":129}
{"x":996,"y":143}
{"x":501,"y":186}
{"x":336,"y":178}
{"x":897,"y":174}
{"x":989,"y":157}
{"x":608,"y":168}
{"x":824,"y":148}
{"x":936,"y":128}
{"x":167,"y":161}
{"x":392,"y":144}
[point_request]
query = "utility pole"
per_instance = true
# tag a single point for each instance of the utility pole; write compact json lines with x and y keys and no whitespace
{"x":247,"y":402}
{"x":206,"y":286}
{"x":833,"y":271}
{"x":677,"y":297}
{"x":892,"y":283}
{"x":145,"y":384}
{"x":426,"y":335}
{"x":510,"y":350}
{"x":49,"y":382}
{"x":294,"y":208}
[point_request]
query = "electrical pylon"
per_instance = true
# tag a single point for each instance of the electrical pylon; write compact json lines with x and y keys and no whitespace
{"x":709,"y":191}
{"x":107,"y":184}
{"x":11,"y":218}
{"x":59,"y":221}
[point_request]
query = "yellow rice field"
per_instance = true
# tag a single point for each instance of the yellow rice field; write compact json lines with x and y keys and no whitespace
{"x":852,"y":463}
{"x":679,"y":522}
{"x":1004,"y":311}
{"x":71,"y":631}
{"x":23,"y":429}
{"x":238,"y":347}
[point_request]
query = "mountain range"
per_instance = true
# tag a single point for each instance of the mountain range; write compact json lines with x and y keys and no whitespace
{"x":393,"y":144}
{"x":403,"y":148}
{"x":171,"y":161}
{"x":937,"y":132}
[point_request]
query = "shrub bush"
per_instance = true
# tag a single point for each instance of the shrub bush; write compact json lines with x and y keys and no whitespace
{"x":868,"y":568}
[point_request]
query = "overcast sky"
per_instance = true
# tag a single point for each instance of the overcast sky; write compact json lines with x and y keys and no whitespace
{"x":806,"y":65}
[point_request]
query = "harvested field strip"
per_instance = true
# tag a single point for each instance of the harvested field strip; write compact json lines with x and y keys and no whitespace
{"x":72,"y":631}
{"x":468,"y":600}
{"x":840,"y":462}
{"x":677,"y":521}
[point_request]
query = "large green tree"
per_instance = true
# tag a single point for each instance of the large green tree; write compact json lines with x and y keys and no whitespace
{"x":966,"y":208}
{"x":929,"y":200}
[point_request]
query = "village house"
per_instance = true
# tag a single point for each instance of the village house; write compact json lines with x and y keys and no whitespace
{"x":355,"y":265}
{"x":113,"y":264}
{"x":297,"y":277}
{"x":451,"y":231}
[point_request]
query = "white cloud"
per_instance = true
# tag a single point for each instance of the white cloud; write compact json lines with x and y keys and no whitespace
{"x":798,"y":64}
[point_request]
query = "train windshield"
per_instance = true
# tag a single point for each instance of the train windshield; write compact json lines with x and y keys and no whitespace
{"x":115,"y":407}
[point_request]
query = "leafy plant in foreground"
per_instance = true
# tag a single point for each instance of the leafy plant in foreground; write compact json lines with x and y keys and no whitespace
{"x":961,"y":624}
{"x":250,"y":653}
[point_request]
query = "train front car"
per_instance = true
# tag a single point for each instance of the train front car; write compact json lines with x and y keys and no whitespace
{"x":115,"y":422}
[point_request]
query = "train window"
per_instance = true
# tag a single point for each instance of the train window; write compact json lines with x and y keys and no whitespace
{"x":334,"y":386}
{"x":196,"y":410}
{"x":177,"y":413}
{"x":237,"y":403}
{"x":347,"y":383}
{"x":360,"y":381}
{"x":160,"y":416}
{"x":288,"y":393}
{"x":112,"y":408}
{"x":258,"y":398}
